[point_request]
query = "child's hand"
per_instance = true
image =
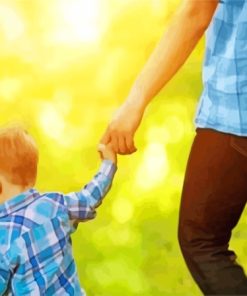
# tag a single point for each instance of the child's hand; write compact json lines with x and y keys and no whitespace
{"x":107,"y":152}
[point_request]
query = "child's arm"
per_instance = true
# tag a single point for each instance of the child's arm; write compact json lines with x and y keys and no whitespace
{"x":82,"y":204}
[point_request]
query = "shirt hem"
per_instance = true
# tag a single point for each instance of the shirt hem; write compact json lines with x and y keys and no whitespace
{"x":219,"y":127}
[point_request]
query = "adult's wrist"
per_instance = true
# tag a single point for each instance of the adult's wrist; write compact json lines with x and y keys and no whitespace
{"x":136,"y":102}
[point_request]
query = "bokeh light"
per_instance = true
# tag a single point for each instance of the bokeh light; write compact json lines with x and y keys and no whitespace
{"x":154,"y":167}
{"x":9,"y":87}
{"x":122,"y":210}
{"x":79,"y":21}
{"x":12,"y":25}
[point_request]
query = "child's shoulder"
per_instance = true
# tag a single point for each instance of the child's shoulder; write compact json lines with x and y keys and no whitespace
{"x":48,"y":204}
{"x":51,"y":196}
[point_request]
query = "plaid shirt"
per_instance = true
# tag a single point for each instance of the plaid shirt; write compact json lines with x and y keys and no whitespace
{"x":35,"y":245}
{"x":223,"y":103}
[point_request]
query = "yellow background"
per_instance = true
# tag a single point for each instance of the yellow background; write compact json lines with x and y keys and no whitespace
{"x":65,"y":67}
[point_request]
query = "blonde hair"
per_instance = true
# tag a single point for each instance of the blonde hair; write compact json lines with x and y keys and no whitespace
{"x":18,"y":156}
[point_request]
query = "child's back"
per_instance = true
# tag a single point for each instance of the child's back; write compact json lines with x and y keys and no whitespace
{"x":35,"y":245}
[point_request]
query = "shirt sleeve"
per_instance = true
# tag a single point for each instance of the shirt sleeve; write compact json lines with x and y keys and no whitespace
{"x":5,"y":274}
{"x":81,"y":205}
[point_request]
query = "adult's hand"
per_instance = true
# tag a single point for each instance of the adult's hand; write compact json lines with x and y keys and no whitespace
{"x":172,"y":51}
{"x":121,"y":130}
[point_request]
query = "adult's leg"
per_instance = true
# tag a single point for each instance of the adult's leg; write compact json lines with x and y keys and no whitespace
{"x":213,"y":198}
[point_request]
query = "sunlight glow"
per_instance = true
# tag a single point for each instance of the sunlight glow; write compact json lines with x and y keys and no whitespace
{"x":154,"y":167}
{"x":9,"y":88}
{"x":52,"y":121}
{"x":79,"y":21}
{"x":157,"y":5}
{"x":176,"y":128}
{"x":11,"y":23}
{"x":63,"y":101}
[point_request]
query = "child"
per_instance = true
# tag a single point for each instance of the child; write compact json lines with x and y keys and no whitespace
{"x":35,"y":245}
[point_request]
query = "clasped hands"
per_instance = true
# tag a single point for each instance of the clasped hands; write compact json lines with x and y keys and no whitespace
{"x":119,"y":135}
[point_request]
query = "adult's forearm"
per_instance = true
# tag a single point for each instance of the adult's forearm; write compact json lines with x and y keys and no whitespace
{"x":172,"y":51}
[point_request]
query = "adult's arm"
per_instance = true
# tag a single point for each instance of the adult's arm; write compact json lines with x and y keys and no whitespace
{"x":186,"y":29}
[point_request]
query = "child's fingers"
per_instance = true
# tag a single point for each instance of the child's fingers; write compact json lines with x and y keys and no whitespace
{"x":101,"y":155}
{"x":106,"y":138}
{"x":101,"y":147}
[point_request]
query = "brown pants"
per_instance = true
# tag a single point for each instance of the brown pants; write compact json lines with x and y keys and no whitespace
{"x":213,"y":198}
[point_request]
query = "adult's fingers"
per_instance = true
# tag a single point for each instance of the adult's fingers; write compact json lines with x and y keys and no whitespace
{"x":130,"y":144}
{"x":114,"y":142}
{"x":123,"y":149}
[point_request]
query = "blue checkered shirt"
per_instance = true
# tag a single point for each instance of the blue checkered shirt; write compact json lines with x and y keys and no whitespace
{"x":35,"y":245}
{"x":223,"y":103}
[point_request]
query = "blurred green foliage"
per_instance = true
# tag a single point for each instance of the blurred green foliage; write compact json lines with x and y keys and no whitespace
{"x":65,"y":86}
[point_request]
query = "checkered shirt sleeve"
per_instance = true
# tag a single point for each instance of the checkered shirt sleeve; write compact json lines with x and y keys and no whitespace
{"x":82,"y":205}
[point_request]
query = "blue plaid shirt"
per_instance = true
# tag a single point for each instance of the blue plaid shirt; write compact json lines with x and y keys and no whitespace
{"x":35,"y":245}
{"x":223,"y":103}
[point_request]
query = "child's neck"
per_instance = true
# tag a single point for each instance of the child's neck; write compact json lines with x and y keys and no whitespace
{"x":10,"y":192}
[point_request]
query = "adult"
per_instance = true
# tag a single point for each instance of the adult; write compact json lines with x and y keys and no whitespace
{"x":215,"y":185}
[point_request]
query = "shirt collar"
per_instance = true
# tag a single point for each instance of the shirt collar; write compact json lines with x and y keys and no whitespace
{"x":17,"y":202}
